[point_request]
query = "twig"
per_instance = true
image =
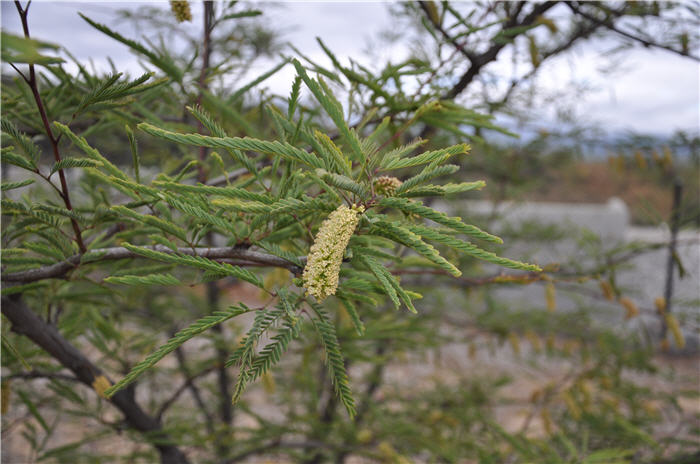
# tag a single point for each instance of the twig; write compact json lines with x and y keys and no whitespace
{"x":607,"y":23}
{"x":32,"y":82}
{"x":59,"y":270}
{"x":675,"y":225}
{"x":34,"y":374}
{"x":188,"y":384}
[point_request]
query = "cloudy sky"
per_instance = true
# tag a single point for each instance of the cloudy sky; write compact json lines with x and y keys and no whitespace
{"x":656,"y":92}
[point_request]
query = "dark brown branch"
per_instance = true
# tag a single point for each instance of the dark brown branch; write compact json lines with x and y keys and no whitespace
{"x":479,"y":61}
{"x":25,"y":322}
{"x":59,"y":270}
{"x":673,"y":243}
{"x":32,"y":82}
{"x":582,"y":31}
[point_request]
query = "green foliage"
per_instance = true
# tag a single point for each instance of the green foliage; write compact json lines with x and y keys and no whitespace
{"x":177,"y":340}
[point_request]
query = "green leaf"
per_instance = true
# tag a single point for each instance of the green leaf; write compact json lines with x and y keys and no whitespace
{"x":75,"y":163}
{"x":16,"y":49}
{"x":33,"y":410}
{"x":334,"y":358}
{"x":411,"y":207}
{"x":180,"y":337}
{"x":81,"y":143}
{"x":243,"y":14}
{"x":246,"y":143}
{"x":334,"y":110}
{"x":400,"y":234}
{"x":198,"y":262}
{"x":5,"y":186}
{"x":144,"y":280}
{"x":163,"y":62}
{"x":471,"y":249}
{"x":163,"y":225}
{"x":436,"y":156}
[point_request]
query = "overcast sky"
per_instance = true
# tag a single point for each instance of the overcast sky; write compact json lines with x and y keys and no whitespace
{"x":657,"y":92}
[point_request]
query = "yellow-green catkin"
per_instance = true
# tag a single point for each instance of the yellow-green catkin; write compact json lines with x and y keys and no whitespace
{"x":181,"y":10}
{"x":326,"y":254}
{"x":386,"y":185}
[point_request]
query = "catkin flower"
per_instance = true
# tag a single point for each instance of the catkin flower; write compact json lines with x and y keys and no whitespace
{"x":326,"y":254}
{"x":181,"y":10}
{"x":386,"y":185}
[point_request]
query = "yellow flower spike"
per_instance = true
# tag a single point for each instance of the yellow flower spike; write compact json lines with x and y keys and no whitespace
{"x":631,"y":309}
{"x":181,"y":10}
{"x":607,"y":290}
{"x":660,"y":303}
{"x":326,"y":254}
{"x":675,"y":328}
{"x":550,"y":294}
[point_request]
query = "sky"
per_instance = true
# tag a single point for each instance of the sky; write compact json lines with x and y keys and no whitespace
{"x":656,"y":92}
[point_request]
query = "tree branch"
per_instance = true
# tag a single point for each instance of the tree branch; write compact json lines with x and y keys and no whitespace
{"x":479,"y":61}
{"x":59,"y":270}
{"x":610,"y":25}
{"x":25,"y":322}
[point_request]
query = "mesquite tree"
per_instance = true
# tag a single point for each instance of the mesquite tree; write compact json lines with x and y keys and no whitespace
{"x":249,"y":235}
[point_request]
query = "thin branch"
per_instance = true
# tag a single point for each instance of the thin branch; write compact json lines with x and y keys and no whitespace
{"x":479,"y":61}
{"x":25,"y":78}
{"x":34,"y":374}
{"x":188,"y":384}
{"x":32,"y":83}
{"x":469,"y":55}
{"x":610,"y":25}
{"x":59,"y":270}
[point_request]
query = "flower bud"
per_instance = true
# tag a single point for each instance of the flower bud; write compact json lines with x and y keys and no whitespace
{"x":181,"y":10}
{"x":386,"y":185}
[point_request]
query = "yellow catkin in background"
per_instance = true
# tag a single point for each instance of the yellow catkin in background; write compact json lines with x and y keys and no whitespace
{"x":100,"y":384}
{"x":607,"y":290}
{"x":550,"y":294}
{"x":550,"y":342}
{"x":548,"y":23}
{"x":364,"y":436}
{"x":660,"y":303}
{"x":631,"y":309}
{"x":268,"y":383}
{"x":640,"y":159}
{"x":534,"y":340}
{"x":514,"y":342}
{"x":5,"y":396}
{"x":547,"y":421}
{"x":181,"y":10}
{"x":571,"y":405}
{"x":472,"y":351}
{"x":675,"y":329}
